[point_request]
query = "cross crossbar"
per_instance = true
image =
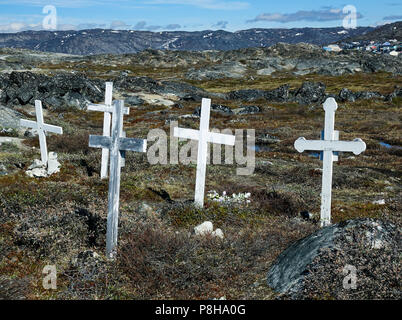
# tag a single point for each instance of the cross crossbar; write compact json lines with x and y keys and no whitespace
{"x":211,"y":137}
{"x":41,"y":128}
{"x":356,"y":146}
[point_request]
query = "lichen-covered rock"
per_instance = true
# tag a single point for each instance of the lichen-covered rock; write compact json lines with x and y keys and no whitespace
{"x":62,"y":90}
{"x":247,"y":110}
{"x":311,"y":92}
{"x":235,"y":70}
{"x":215,"y":107}
{"x":313,"y":266}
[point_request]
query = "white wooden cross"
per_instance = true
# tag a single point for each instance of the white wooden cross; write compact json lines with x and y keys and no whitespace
{"x":203,"y":136}
{"x":41,"y":128}
{"x":115,"y":143}
{"x":107,"y":108}
{"x":329,"y":145}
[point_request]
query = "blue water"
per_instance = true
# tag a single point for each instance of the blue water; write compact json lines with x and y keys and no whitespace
{"x":261,"y":148}
{"x":388,"y":146}
{"x":314,"y":154}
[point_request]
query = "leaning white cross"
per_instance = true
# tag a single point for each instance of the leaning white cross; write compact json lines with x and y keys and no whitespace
{"x":329,"y":145}
{"x":41,"y":128}
{"x":107,"y":118}
{"x":203,"y":136}
{"x":116,"y":144}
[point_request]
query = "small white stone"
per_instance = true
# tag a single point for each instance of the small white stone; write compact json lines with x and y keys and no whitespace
{"x":36,"y":164}
{"x":204,"y":228}
{"x":218,"y":233}
{"x":380,"y":202}
{"x":37,"y":173}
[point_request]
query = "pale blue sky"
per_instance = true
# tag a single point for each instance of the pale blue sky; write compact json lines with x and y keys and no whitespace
{"x":192,"y":15}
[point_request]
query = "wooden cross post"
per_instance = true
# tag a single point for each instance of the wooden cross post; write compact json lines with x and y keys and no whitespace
{"x":116,"y":144}
{"x":203,"y":136}
{"x":41,"y":128}
{"x":107,"y":109}
{"x":329,"y":145}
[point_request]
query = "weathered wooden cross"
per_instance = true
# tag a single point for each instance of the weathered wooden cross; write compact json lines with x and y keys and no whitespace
{"x":203,"y":136}
{"x":41,"y":128}
{"x":116,"y":143}
{"x":107,"y":108}
{"x":329,"y":145}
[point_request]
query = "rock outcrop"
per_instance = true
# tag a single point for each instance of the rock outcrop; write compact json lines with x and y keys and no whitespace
{"x":234,"y":70}
{"x":313,"y":266}
{"x":62,"y":90}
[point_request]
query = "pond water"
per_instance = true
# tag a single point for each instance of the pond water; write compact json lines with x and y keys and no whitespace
{"x":388,"y":146}
{"x":261,"y":148}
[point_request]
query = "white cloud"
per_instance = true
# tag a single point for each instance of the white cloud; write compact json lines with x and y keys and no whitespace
{"x":22,"y":26}
{"x":142,"y":25}
{"x":119,"y":25}
{"x":173,"y":26}
{"x":116,"y":25}
{"x":12,"y":27}
{"x":312,"y":15}
{"x":19,"y":26}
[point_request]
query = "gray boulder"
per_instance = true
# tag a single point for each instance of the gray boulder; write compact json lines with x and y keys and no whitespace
{"x":303,"y":269}
{"x":346,"y":95}
{"x":311,"y":92}
{"x":133,"y":101}
{"x":266,"y":71}
{"x":281,"y":94}
{"x":62,"y":90}
{"x":247,"y":110}
{"x":366,"y":95}
{"x":246,"y":95}
{"x":3,"y":170}
{"x":234,"y":70}
{"x":215,"y":107}
{"x":182,"y":90}
{"x":9,"y":118}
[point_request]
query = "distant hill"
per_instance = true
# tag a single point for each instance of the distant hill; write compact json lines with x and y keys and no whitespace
{"x":381,"y":34}
{"x":100,"y":41}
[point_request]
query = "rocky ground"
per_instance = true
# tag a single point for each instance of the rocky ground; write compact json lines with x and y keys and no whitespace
{"x":61,"y":219}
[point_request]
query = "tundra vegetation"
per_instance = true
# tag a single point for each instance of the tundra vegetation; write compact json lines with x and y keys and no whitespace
{"x":61,"y":220}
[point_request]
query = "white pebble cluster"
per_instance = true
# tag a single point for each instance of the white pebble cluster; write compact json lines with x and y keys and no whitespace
{"x":224,"y":198}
